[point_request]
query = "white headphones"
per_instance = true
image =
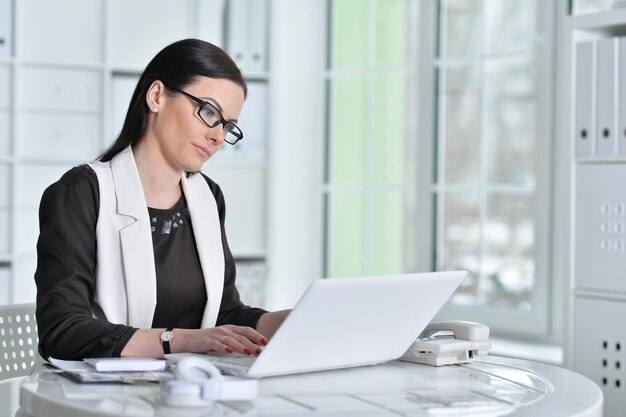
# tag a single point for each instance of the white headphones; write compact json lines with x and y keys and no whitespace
{"x":199,"y":383}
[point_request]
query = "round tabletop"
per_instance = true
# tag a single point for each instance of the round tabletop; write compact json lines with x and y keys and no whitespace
{"x":489,"y":386}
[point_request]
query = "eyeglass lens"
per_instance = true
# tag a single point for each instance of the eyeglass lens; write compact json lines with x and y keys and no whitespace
{"x":212,"y":117}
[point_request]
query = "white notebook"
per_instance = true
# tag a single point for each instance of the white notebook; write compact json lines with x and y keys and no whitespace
{"x":130,"y":364}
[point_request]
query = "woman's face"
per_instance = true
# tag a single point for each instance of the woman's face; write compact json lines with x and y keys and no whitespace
{"x":184,"y":140}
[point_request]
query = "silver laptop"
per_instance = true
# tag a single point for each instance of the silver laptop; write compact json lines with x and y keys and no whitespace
{"x":346,"y":322}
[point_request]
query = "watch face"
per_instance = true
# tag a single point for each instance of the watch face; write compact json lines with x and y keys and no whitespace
{"x":166,"y":336}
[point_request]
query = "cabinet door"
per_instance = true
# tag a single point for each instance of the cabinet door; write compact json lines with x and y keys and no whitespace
{"x":253,"y":124}
{"x":5,"y":276}
{"x":31,"y":181}
{"x":5,"y":130}
{"x":600,"y":230}
{"x":6,"y":29}
{"x":64,"y":31}
{"x":24,"y":289}
{"x":56,"y":89}
{"x":138,"y":29}
{"x":60,"y":135}
{"x":5,"y":87}
{"x":245,"y":207}
{"x":5,"y":229}
{"x":5,"y":103}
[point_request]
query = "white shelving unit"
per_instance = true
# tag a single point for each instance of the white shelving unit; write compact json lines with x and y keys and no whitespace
{"x":596,"y":135}
{"x":62,"y":70}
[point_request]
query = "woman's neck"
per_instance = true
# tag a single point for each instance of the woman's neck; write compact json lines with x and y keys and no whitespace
{"x":161,"y":183}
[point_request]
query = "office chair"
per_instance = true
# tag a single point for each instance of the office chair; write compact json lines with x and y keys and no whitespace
{"x":18,"y":340}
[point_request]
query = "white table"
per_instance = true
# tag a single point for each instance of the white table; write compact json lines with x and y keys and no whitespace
{"x":490,"y":386}
{"x":9,"y":396}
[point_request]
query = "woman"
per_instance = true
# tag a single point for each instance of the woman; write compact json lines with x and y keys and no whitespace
{"x":132,"y":254}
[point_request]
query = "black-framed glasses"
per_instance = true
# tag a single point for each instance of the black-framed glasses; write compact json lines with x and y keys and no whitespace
{"x":211,"y":116}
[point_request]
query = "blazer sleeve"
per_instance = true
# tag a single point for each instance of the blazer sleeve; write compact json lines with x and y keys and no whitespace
{"x":65,"y":275}
{"x":232,"y":309}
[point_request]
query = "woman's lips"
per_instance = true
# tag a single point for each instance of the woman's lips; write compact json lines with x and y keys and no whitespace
{"x":202,"y":151}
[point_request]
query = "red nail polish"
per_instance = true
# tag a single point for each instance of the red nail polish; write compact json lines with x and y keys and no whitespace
{"x":229,"y":350}
{"x":264,"y":341}
{"x":247,"y":351}
{"x":258,"y":351}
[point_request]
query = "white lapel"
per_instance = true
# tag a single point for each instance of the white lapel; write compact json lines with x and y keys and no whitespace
{"x":207,"y":231}
{"x":136,"y":241}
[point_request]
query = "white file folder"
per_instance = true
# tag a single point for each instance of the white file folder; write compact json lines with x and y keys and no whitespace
{"x":584,"y":93}
{"x":257,"y":24}
{"x":5,"y":28}
{"x":246,"y":33}
{"x":210,"y":20}
{"x":621,"y":70}
{"x":237,"y":32}
{"x":606,"y":101}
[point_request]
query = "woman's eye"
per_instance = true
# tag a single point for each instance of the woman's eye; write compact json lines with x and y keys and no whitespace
{"x":209,"y":113}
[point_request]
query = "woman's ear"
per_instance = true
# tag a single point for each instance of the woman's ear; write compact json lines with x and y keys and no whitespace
{"x":154,"y":96}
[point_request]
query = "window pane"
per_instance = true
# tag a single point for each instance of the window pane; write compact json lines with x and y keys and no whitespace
{"x":346,"y":213}
{"x":389,"y":127}
{"x":460,"y":242}
{"x":387,"y":233}
{"x":462,"y":124}
{"x":348,"y":130}
{"x":509,"y":266}
{"x":461,"y":28}
{"x":511,"y":120}
{"x":391,"y":33}
{"x":349,"y":31}
{"x":509,"y":25}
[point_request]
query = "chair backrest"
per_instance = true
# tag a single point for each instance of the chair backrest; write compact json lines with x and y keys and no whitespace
{"x":18,"y":340}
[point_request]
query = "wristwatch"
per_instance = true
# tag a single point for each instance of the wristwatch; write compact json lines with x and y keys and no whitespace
{"x":166,"y":338}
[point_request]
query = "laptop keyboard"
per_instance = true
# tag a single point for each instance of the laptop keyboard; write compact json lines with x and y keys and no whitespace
{"x":243,"y":361}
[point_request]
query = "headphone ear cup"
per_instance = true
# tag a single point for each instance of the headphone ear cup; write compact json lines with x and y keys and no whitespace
{"x":198,"y":383}
{"x":197,"y":369}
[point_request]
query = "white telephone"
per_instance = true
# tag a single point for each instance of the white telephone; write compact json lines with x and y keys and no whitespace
{"x":449,"y":342}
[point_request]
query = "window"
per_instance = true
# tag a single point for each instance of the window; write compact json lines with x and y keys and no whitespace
{"x":492,"y":153}
{"x":469,"y":187}
{"x":367,"y":136}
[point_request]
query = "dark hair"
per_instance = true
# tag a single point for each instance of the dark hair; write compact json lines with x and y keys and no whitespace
{"x":176,"y":65}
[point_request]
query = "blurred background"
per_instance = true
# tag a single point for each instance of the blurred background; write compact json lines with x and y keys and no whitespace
{"x":381,"y":137}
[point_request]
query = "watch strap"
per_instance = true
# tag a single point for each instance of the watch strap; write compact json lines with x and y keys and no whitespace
{"x":166,"y":343}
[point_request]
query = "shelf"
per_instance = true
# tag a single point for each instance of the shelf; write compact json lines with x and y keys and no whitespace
{"x":601,"y":159}
{"x":98,"y":66}
{"x":611,"y":21}
{"x":609,"y":295}
{"x":47,"y":159}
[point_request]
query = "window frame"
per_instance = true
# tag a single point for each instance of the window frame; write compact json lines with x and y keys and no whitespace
{"x":540,"y":322}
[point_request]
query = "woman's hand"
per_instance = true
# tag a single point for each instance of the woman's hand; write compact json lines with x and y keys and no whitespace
{"x":227,"y":338}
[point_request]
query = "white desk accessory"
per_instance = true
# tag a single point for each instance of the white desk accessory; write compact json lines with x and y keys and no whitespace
{"x":448,"y":343}
{"x":199,"y":383}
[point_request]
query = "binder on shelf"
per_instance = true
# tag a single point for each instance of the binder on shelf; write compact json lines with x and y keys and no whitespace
{"x":621,"y":70}
{"x":257,"y":24}
{"x":606,"y":100}
{"x":253,"y":124}
{"x":246,"y":33}
{"x":584,"y":94}
{"x":6,"y":29}
{"x":210,"y":21}
{"x":237,"y":32}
